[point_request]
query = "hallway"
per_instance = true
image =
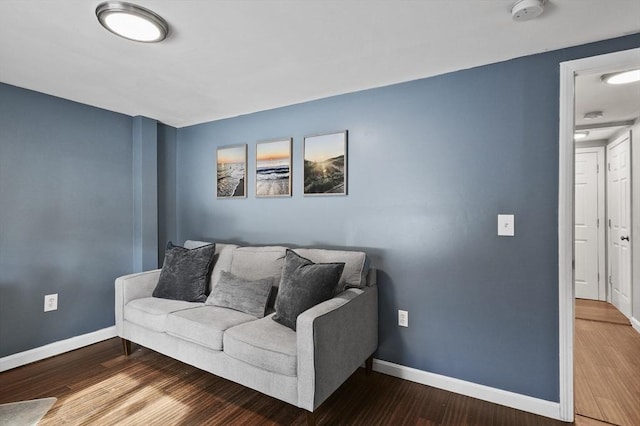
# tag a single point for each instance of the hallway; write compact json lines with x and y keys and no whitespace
{"x":607,"y":365}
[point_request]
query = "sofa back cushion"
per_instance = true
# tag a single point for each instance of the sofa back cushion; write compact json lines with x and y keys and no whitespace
{"x":255,"y":263}
{"x":356,"y":264}
{"x":222,"y":258}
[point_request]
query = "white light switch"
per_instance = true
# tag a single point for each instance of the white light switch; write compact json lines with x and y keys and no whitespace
{"x":506,"y":226}
{"x":51,"y":302}
{"x":403,"y":318}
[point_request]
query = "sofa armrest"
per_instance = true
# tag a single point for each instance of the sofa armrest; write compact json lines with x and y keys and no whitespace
{"x":334,"y":338}
{"x":130,"y":287}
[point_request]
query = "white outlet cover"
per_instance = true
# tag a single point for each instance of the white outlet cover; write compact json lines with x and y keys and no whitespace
{"x":506,"y":225}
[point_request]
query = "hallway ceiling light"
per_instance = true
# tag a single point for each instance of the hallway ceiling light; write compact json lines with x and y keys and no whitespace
{"x":580,"y":135}
{"x":623,"y":77}
{"x":592,"y":115}
{"x":132,"y":22}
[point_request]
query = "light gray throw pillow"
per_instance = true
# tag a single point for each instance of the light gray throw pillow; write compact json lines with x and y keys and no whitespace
{"x":242,"y":295}
{"x":303,"y":285}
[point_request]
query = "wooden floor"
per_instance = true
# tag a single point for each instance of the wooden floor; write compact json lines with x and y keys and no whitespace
{"x":97,"y":385}
{"x":607,"y":365}
{"x":595,"y":310}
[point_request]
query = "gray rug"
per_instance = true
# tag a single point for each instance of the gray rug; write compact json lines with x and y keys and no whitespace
{"x":25,"y":413}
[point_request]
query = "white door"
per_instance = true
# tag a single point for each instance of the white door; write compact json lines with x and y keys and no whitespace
{"x":589,"y":207}
{"x":619,"y":216}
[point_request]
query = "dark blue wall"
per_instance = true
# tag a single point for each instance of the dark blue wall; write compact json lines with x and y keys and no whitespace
{"x":66,"y":203}
{"x":431,"y":164}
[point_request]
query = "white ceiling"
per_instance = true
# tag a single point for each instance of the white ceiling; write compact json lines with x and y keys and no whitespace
{"x":225,"y":58}
{"x":620,"y":105}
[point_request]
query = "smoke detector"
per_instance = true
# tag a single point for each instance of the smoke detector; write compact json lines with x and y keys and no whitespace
{"x":525,"y":10}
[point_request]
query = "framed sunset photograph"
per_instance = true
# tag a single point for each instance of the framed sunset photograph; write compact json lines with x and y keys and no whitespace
{"x":232,"y":171}
{"x":325,"y":164}
{"x":273,"y":168}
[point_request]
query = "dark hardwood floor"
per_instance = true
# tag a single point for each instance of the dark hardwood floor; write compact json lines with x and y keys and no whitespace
{"x":97,"y":385}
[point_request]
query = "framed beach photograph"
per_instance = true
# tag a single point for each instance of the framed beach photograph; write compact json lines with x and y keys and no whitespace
{"x":325,"y":164}
{"x":273,"y":168}
{"x":232,"y":171}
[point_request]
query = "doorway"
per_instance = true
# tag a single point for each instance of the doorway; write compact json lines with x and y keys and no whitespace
{"x":604,"y":116}
{"x":568,"y":73}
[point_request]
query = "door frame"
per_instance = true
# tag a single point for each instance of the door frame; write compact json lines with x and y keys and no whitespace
{"x":602,"y":238}
{"x":568,"y":71}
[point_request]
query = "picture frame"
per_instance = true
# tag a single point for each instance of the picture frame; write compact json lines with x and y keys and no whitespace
{"x":325,"y":164}
{"x":231,"y":168}
{"x":273,"y":168}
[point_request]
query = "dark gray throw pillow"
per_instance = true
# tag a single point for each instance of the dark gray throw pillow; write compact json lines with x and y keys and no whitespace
{"x":185,"y":273}
{"x":303,"y":285}
{"x":248,"y":296}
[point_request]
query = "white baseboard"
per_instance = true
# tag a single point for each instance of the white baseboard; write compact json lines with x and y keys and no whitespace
{"x":56,"y":348}
{"x":635,"y":324}
{"x":474,"y":390}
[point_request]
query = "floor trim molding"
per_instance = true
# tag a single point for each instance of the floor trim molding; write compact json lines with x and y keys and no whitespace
{"x":635,"y":324}
{"x":474,"y":390}
{"x":56,"y":348}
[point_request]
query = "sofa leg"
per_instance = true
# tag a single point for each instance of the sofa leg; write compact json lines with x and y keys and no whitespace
{"x":311,"y":418}
{"x":126,"y":347}
{"x":368,"y":365}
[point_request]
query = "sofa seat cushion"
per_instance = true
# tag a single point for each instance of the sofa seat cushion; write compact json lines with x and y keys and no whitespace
{"x":151,"y":312}
{"x":264,"y":344}
{"x":205,"y":325}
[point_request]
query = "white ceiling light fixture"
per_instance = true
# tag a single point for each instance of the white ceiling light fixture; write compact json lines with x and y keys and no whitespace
{"x":592,"y":115}
{"x":132,"y":22}
{"x":623,"y":77}
{"x":580,"y":135}
{"x":525,"y":10}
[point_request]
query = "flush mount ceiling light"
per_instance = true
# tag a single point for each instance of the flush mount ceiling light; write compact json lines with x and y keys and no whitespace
{"x":132,"y":22}
{"x":592,"y":115}
{"x":525,"y":10}
{"x":580,"y":135}
{"x":623,"y":77}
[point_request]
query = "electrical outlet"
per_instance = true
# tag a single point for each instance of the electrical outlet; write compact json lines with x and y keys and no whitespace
{"x":51,"y":302}
{"x":403,"y":318}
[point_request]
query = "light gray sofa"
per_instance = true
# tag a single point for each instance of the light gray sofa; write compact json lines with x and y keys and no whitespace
{"x":302,"y":367}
